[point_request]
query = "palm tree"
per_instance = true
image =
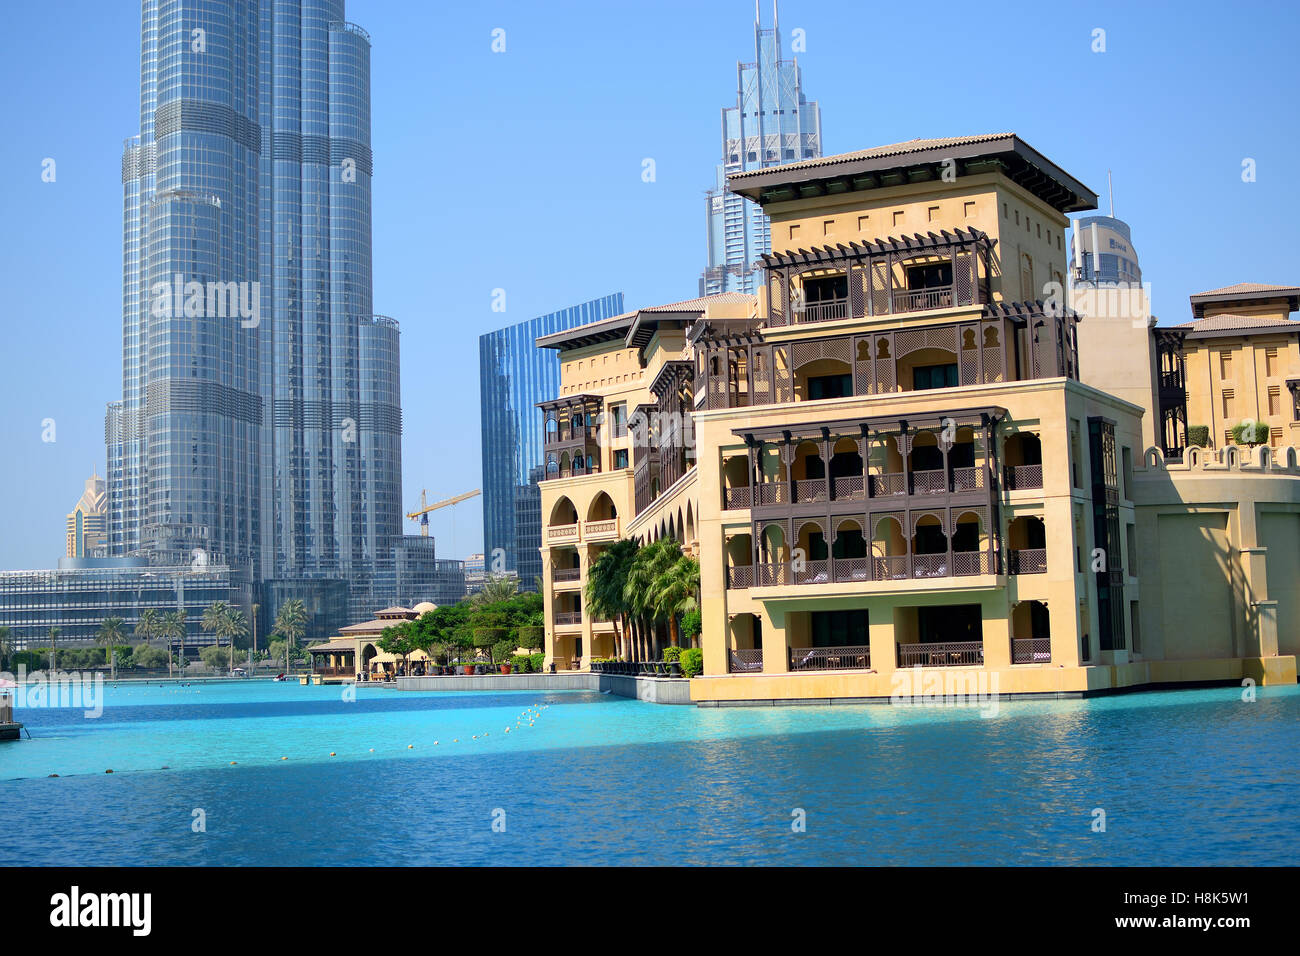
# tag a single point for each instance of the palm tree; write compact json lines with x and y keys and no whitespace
{"x":235,"y":625}
{"x":291,"y":622}
{"x":253,"y":653}
{"x":606,"y":580}
{"x":651,"y":562}
{"x":173,"y":628}
{"x":676,"y":591}
{"x":149,"y":625}
{"x":54,"y":637}
{"x":111,"y":633}
{"x":497,"y":587}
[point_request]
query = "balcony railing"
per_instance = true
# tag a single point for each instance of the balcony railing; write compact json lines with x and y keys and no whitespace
{"x":939,"y":297}
{"x":855,"y":657}
{"x":563,"y":532}
{"x":951,"y":654}
{"x":824,"y":311}
{"x":856,"y":570}
{"x":860,"y":487}
{"x":1020,"y":477}
{"x":737,"y":498}
{"x":1031,"y":650}
{"x":561,"y":575}
{"x":745,"y":661}
{"x":568,"y":617}
{"x":568,"y":435}
{"x":1027,"y":561}
{"x":596,"y":530}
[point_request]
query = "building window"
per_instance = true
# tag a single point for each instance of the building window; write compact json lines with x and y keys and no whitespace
{"x":1270,"y":362}
{"x":1274,"y":437}
{"x":828,"y":226}
{"x":1076,"y":455}
{"x":619,"y":414}
{"x":933,"y":376}
{"x":620,"y":458}
{"x":1228,"y":395}
{"x":863,"y":223}
{"x":898,"y":217}
{"x":1135,"y":617}
{"x":932,"y":213}
{"x":970,"y":209}
{"x":1130,"y":532}
{"x":1274,"y":400}
{"x":1127,"y":456}
{"x":1225,"y":365}
{"x":794,"y":231}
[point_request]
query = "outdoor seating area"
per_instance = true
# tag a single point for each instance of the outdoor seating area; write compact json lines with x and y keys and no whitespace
{"x":637,"y":668}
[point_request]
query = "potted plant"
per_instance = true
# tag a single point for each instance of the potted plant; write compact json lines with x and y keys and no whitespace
{"x":672,"y":658}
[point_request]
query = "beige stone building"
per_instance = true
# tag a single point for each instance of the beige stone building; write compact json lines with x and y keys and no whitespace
{"x":908,"y":456}
{"x":1243,"y":361}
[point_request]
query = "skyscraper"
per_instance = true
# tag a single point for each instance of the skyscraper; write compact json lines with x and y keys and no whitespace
{"x":88,"y":521}
{"x":514,"y":375}
{"x":260,"y":420}
{"x":770,"y":124}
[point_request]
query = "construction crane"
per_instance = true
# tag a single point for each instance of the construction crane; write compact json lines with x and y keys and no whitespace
{"x":423,"y":511}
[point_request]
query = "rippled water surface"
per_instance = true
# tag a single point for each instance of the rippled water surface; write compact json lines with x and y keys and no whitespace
{"x":1183,"y":777}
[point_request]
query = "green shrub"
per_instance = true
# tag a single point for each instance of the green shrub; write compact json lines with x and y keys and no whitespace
{"x":536,"y":663}
{"x":489,"y":636}
{"x":1250,"y":433}
{"x":692,"y":661}
{"x":520,"y":664}
{"x":503,"y":650}
{"x":532,"y":636}
{"x":1198,"y":435}
{"x":692,"y":624}
{"x":672,"y":654}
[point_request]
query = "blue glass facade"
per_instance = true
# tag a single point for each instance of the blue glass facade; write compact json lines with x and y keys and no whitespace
{"x":267,"y":435}
{"x":1101,"y":248}
{"x":514,"y":375}
{"x":771,"y":124}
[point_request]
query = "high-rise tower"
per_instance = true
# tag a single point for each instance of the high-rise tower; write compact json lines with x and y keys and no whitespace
{"x":770,"y":124}
{"x":260,"y":418}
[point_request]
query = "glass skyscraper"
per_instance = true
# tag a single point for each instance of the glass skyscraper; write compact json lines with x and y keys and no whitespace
{"x":260,"y":420}
{"x":770,"y":124}
{"x":514,"y":375}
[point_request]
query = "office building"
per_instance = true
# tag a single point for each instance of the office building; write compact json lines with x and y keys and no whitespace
{"x":513,"y":377}
{"x":87,"y":524}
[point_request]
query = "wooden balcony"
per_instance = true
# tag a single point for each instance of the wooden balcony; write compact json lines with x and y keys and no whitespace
{"x":567,"y":618}
{"x":566,"y":577}
{"x":900,"y":567}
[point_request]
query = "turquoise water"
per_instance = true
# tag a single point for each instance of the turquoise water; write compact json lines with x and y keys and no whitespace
{"x":1184,"y":777}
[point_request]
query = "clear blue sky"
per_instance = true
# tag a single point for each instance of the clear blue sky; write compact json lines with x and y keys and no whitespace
{"x":522,"y":171}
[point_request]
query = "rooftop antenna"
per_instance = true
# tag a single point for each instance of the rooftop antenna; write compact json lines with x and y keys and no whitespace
{"x":776,"y":16}
{"x":1110,"y":186}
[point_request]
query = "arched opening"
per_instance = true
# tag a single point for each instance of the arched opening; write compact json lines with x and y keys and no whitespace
{"x":925,"y":463}
{"x":821,"y":379}
{"x":566,"y":466}
{"x":888,"y":550}
{"x":811,"y":543}
{"x":808,"y":462}
{"x":774,"y":554}
{"x":1023,"y":453}
{"x":602,"y":508}
{"x":929,"y":547}
{"x":735,"y":481}
{"x":739,"y":551}
{"x":849,"y":551}
{"x":884,"y":466}
{"x":970,"y":545}
{"x":928,"y":368}
{"x":1027,"y":542}
{"x":688,"y":530}
{"x":745,"y":644}
{"x":1031,"y":633}
{"x":563,"y":513}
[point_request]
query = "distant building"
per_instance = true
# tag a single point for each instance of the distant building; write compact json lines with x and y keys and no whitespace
{"x":772,"y":123}
{"x":87,"y":534}
{"x":475,"y":574}
{"x":1101,"y":250}
{"x":82,"y":592}
{"x":513,"y":377}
